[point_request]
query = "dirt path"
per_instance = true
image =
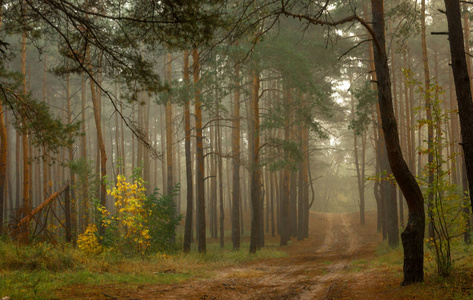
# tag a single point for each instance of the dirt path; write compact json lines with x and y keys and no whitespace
{"x":317,"y":268}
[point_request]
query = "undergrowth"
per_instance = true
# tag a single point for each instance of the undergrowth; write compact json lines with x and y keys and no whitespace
{"x":41,"y":271}
{"x":386,"y":273}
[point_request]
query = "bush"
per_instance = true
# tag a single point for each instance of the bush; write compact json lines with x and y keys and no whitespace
{"x":140,"y":224}
{"x":162,"y":221}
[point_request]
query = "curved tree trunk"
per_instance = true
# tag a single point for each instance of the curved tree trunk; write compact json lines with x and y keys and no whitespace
{"x":413,"y":235}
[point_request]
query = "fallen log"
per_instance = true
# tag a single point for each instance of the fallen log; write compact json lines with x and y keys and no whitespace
{"x":45,"y":203}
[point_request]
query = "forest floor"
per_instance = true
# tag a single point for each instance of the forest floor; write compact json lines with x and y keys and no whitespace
{"x":338,"y":261}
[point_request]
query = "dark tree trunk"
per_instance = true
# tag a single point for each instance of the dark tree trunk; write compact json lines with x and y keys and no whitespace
{"x":413,"y":235}
{"x":462,"y":85}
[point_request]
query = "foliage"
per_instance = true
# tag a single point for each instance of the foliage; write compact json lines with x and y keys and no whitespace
{"x":366,"y":97}
{"x":139,"y":225}
{"x":34,"y":117}
{"x":409,"y":24}
{"x":86,"y":184}
{"x":162,"y":218}
{"x":130,"y":214}
{"x":89,"y":241}
{"x":445,"y":211}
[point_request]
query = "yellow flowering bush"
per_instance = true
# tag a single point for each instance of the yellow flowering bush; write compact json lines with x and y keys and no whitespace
{"x":130,"y":214}
{"x":88,"y":241}
{"x":140,"y":223}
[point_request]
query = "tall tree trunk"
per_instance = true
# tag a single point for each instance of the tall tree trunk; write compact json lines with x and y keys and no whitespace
{"x":169,"y":140}
{"x":100,"y":139}
{"x":84,"y":216}
{"x":212,"y":184}
{"x":3,"y":165}
{"x":430,"y":125}
{"x":286,"y":178}
{"x":462,"y":85}
{"x":413,"y":235}
{"x":220,"y":179}
{"x":70,"y":150}
{"x":3,"y":157}
{"x":255,"y":240}
{"x":236,"y":163}
{"x":26,"y":163}
{"x":187,"y":146}
{"x":200,"y":156}
{"x":360,"y":167}
{"x":466,"y":207}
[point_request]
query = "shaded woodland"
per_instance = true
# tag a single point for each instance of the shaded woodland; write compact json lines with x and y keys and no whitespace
{"x":158,"y":126}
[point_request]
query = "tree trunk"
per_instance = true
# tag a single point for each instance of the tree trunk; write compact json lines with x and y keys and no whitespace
{"x":255,"y":240}
{"x":430,"y":125}
{"x":462,"y":85}
{"x":73,"y":213}
{"x":3,"y":165}
{"x":200,"y":157}
{"x":286,"y":178}
{"x":26,"y":164}
{"x":187,"y":146}
{"x":466,"y":207}
{"x":413,"y":235}
{"x":220,"y":179}
{"x":236,"y":163}
{"x":101,"y":145}
{"x":84,"y":216}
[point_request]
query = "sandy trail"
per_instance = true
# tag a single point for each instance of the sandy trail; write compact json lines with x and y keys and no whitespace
{"x":316,"y":268}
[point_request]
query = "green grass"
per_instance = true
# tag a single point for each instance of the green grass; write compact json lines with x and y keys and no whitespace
{"x":37,"y":272}
{"x":387,"y":266}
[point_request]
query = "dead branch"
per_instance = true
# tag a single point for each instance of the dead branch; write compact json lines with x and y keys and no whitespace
{"x":41,"y":206}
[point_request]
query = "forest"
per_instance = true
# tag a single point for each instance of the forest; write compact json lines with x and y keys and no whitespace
{"x":250,"y":149}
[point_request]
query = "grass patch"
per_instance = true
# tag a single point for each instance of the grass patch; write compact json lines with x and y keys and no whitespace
{"x":38,"y":272}
{"x":386,"y":273}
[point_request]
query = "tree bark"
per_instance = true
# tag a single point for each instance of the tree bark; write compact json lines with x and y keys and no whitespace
{"x":430,"y":125}
{"x":462,"y":85}
{"x":466,"y":207}
{"x":255,"y":240}
{"x":100,"y":139}
{"x":236,"y":163}
{"x":24,"y":140}
{"x":200,"y":157}
{"x":286,"y":178}
{"x":3,"y":166}
{"x":187,"y":148}
{"x":413,"y":235}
